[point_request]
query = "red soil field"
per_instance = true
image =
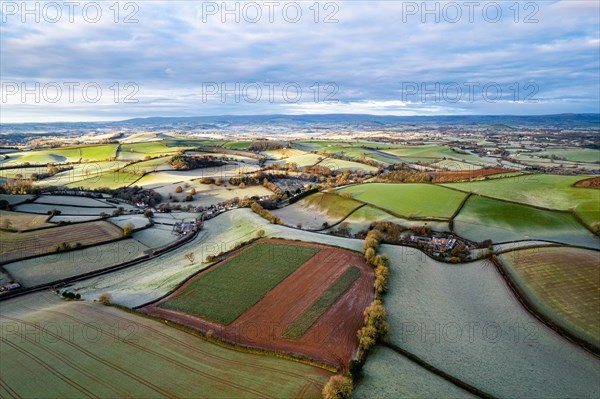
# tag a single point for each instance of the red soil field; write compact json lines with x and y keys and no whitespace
{"x":593,"y":182}
{"x":451,"y":176}
{"x":331,"y":339}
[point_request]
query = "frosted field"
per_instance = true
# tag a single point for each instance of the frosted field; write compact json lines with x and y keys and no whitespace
{"x":73,"y":218}
{"x":71,"y":200}
{"x":81,"y":172}
{"x":208,"y":194}
{"x":66,"y":210}
{"x":156,"y":236}
{"x":224,"y":172}
{"x":138,"y":221}
{"x":387,"y":374}
{"x":50,"y":268}
{"x":362,"y":218}
{"x":444,"y":313}
{"x":15,"y":199}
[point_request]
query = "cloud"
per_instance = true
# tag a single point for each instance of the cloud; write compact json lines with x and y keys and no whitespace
{"x":175,"y":48}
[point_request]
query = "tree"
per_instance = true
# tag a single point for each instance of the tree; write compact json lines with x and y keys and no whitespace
{"x":128,"y":229}
{"x":148,"y":213}
{"x":105,"y":298}
{"x":193,"y":191}
{"x":338,"y":387}
{"x":178,"y":189}
{"x":190,"y":257}
{"x":260,"y":233}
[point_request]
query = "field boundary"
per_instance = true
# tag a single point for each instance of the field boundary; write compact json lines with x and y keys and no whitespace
{"x":422,"y":363}
{"x":524,"y":300}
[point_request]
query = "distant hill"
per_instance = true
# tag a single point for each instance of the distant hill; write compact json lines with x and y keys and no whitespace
{"x":262,"y":123}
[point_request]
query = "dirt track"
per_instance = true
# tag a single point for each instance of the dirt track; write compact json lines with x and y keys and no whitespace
{"x":332,"y":339}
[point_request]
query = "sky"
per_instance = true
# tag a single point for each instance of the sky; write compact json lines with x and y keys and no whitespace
{"x":89,"y":61}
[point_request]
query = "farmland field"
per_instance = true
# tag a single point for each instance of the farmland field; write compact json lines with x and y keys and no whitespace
{"x":551,"y":191}
{"x":148,"y":281}
{"x":482,"y":218}
{"x":432,"y":153}
{"x":226,"y":292}
{"x":331,"y":338}
{"x":22,"y":221}
{"x":100,"y":152}
{"x":124,"y":355}
{"x":311,"y":212}
{"x":409,"y":200}
{"x":110,"y":179}
{"x":19,"y":245}
{"x":43,"y":157}
{"x":71,"y":200}
{"x":387,"y":374}
{"x":85,"y":171}
{"x":50,"y":268}
{"x":43,"y":209}
{"x":441,"y":312}
{"x":299,"y":327}
{"x":362,"y":218}
{"x":564,"y":283}
{"x":576,"y":155}
{"x":15,"y":199}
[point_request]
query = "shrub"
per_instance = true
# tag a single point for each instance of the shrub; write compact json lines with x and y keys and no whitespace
{"x":128,"y":229}
{"x":260,"y":233}
{"x":148,"y":213}
{"x":105,"y":298}
{"x":338,"y":387}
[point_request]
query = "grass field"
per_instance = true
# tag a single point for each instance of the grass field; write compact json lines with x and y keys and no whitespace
{"x":15,"y":199}
{"x":227,"y":291}
{"x":550,"y":191}
{"x":576,"y":155}
{"x":341,"y":165}
{"x":482,"y":218}
{"x":19,"y":245}
{"x":409,"y":200}
{"x":299,"y":327}
{"x":43,"y":157}
{"x":86,"y":349}
{"x":564,"y":283}
{"x":22,"y":221}
{"x":99,"y":152}
{"x":432,"y":153}
{"x":110,"y":179}
{"x":50,"y":268}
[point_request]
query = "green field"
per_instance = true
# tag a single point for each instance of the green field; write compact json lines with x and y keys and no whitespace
{"x":575,"y":155}
{"x":43,"y":157}
{"x":99,"y":152}
{"x":297,"y":329}
{"x":564,"y":283}
{"x":431,"y":153}
{"x":409,"y":200}
{"x":111,"y":179}
{"x":550,"y":191}
{"x":227,"y":291}
{"x":484,"y":218}
{"x":151,"y":165}
{"x":82,"y":349}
